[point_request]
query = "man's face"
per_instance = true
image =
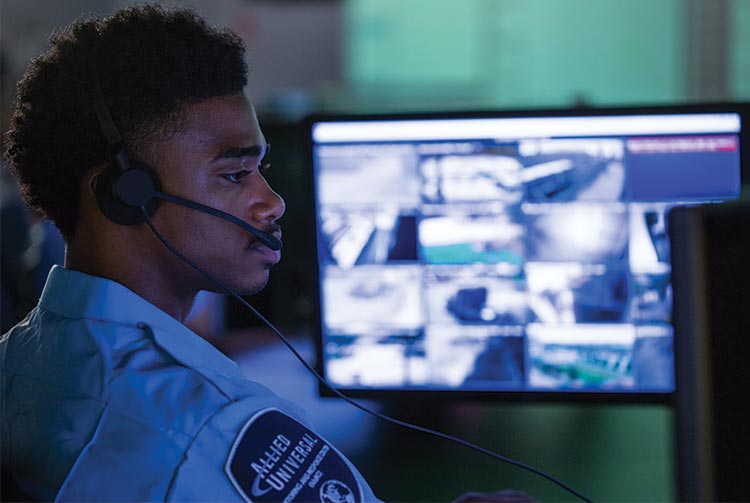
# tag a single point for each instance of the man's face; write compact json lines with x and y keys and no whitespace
{"x":216,"y":161}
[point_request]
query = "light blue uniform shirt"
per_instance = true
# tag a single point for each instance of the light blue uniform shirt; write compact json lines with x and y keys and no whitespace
{"x":107,"y":398}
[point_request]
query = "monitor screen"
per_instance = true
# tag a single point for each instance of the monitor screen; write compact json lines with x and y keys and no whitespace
{"x":509,"y":253}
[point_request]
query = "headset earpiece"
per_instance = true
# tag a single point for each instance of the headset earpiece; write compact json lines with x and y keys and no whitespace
{"x":119,"y":195}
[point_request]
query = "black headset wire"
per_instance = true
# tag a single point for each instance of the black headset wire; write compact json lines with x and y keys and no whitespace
{"x":338,"y":393}
{"x":114,"y":141}
{"x":115,"y":145}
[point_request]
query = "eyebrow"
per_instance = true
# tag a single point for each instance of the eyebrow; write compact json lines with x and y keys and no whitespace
{"x":240,"y":152}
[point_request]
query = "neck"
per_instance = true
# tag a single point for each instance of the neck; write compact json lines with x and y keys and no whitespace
{"x":93,"y":255}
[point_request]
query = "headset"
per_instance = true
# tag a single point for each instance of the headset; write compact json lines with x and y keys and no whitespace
{"x":128,"y":192}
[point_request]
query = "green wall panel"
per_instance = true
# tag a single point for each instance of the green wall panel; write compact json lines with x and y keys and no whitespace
{"x":515,"y":53}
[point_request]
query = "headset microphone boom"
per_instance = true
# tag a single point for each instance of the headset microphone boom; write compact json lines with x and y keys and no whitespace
{"x":129,"y":193}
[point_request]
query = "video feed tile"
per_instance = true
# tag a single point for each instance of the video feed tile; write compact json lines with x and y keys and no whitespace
{"x":567,"y":293}
{"x":649,"y":250}
{"x":581,"y":356}
{"x":458,"y":356}
{"x":361,"y":237}
{"x":652,"y":298}
{"x":367,"y":175}
{"x":377,"y":363}
{"x":471,"y":178}
{"x":476,"y":296}
{"x":500,"y":365}
{"x":653,"y":357}
{"x":457,"y":238}
{"x":377,"y":299}
{"x":566,"y":170}
{"x":581,"y":232}
{"x":683,"y":168}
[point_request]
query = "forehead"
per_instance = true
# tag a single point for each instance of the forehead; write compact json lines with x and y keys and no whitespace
{"x":219,"y":124}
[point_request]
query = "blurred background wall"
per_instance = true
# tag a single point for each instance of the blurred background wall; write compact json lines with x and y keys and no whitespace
{"x":428,"y":55}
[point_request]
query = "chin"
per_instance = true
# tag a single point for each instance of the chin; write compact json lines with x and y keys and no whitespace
{"x":241,"y":286}
{"x":251,"y":288}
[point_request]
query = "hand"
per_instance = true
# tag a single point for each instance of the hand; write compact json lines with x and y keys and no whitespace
{"x":504,"y":496}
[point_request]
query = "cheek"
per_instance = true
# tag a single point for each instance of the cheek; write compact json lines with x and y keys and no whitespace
{"x":199,"y":233}
{"x":186,"y":229}
{"x":213,"y":236}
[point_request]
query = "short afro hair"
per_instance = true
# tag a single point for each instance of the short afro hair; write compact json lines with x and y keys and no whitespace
{"x":150,"y":63}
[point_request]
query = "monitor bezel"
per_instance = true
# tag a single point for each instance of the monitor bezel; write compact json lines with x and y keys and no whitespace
{"x":410,"y":395}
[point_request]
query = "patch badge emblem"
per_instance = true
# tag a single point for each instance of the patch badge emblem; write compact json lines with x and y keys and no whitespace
{"x":334,"y":491}
{"x":277,"y":459}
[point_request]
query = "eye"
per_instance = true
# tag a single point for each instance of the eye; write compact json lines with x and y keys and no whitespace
{"x":237,"y":176}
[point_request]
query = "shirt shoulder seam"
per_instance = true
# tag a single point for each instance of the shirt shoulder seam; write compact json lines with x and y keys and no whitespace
{"x":111,"y":405}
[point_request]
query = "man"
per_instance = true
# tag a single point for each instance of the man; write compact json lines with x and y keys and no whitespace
{"x":106,"y":394}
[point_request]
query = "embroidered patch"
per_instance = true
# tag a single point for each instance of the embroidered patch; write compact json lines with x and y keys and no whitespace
{"x":277,"y":459}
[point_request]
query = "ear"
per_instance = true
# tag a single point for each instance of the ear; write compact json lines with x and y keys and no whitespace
{"x":89,"y":180}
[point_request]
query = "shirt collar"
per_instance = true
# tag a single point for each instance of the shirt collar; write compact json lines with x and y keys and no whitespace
{"x":76,"y":295}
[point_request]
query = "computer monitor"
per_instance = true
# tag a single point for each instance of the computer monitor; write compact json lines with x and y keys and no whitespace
{"x":509,"y":254}
{"x":711,"y":271}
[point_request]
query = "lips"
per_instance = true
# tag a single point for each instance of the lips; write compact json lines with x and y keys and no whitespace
{"x":272,"y":256}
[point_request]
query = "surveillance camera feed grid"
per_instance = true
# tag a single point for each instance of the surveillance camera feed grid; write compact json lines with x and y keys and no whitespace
{"x":537,"y":264}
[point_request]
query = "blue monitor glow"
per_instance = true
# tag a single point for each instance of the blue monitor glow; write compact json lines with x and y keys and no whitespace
{"x":516,"y":253}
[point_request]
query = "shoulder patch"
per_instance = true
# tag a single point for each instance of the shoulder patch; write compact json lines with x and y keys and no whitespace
{"x":277,"y":459}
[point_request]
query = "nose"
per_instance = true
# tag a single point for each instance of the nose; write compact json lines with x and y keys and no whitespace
{"x":270,"y":206}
